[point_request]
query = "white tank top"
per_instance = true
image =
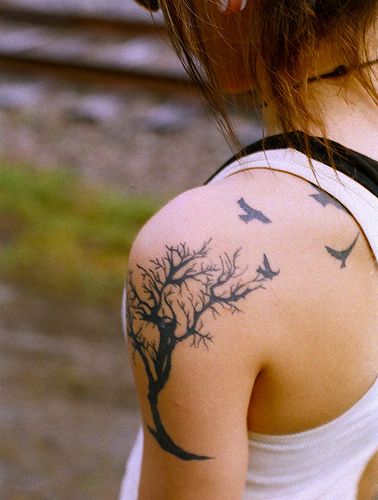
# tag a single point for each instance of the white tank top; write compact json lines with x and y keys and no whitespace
{"x":326,"y":462}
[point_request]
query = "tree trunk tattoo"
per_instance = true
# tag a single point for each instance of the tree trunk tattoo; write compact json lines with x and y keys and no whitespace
{"x":177,"y":290}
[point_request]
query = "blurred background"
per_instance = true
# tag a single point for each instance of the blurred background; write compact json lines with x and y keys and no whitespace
{"x":99,"y":127}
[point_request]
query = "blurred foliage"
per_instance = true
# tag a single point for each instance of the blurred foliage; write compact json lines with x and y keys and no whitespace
{"x":65,"y":238}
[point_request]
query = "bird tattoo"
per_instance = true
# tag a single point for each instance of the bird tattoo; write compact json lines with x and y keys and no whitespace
{"x":342,"y":254}
{"x":251,"y":213}
{"x":267,"y":272}
{"x":325,"y":199}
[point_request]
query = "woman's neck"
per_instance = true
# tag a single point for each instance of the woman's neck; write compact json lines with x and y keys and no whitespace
{"x":351,"y":118}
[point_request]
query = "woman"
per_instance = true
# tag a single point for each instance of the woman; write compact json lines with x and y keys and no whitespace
{"x":251,"y":301}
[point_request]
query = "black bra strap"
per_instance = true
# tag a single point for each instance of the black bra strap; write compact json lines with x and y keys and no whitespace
{"x":359,"y":167}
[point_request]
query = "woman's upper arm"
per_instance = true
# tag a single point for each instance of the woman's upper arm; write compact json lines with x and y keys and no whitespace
{"x":194,"y":358}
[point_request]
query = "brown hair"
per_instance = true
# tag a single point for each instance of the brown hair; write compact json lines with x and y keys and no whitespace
{"x":281,"y":46}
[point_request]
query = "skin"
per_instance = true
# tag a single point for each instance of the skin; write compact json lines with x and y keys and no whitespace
{"x":239,"y":295}
{"x":368,"y":484}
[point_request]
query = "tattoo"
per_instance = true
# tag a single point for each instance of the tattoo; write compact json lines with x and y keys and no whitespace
{"x":178,"y":289}
{"x":325,"y":199}
{"x":342,"y":254}
{"x":251,"y":213}
{"x":267,"y":271}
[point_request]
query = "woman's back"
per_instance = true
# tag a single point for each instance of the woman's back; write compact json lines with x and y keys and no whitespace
{"x":325,"y":343}
{"x":312,"y":412}
{"x":321,"y":331}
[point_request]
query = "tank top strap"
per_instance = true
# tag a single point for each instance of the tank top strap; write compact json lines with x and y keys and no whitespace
{"x":361,"y":201}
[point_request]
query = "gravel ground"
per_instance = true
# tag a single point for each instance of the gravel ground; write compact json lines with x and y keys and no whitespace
{"x":136,"y":141}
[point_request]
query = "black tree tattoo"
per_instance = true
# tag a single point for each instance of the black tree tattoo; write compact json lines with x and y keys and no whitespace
{"x":177,"y":290}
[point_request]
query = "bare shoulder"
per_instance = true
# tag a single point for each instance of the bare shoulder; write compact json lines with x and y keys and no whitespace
{"x":307,"y":253}
{"x":267,"y":209}
{"x":194,"y":263}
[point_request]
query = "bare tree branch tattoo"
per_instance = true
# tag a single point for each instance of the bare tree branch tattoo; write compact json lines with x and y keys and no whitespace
{"x":177,"y":292}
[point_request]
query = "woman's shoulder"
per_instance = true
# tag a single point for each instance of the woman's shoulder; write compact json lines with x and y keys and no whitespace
{"x":273,"y":222}
{"x":259,"y":209}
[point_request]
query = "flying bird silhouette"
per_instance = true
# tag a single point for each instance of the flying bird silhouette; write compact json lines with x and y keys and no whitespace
{"x":251,"y":213}
{"x":325,"y":199}
{"x":267,"y":271}
{"x":342,"y":254}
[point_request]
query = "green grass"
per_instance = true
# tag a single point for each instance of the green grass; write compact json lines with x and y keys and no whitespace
{"x":65,"y":238}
